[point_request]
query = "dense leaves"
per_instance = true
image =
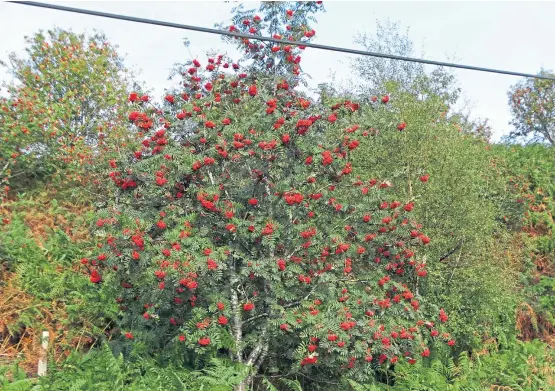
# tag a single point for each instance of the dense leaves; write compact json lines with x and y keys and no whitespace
{"x":459,"y":202}
{"x":530,"y":172}
{"x":62,"y":108}
{"x":247,"y":231}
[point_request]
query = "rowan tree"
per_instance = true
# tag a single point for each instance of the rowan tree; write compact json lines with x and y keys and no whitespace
{"x":245,"y":233}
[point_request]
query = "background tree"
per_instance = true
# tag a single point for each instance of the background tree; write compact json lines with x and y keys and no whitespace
{"x":375,"y":73}
{"x":374,"y":77}
{"x":459,"y":204}
{"x":532,"y":104}
{"x":63,"y":106}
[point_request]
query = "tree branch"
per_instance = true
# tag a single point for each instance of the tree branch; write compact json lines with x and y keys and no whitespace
{"x":458,"y":246}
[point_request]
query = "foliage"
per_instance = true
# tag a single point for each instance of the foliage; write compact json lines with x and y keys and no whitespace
{"x":532,"y":104}
{"x":374,"y":76}
{"x":242,"y":232}
{"x":278,"y":19}
{"x":62,"y":108}
{"x":40,"y":286}
{"x":523,"y":367}
{"x":530,"y":173}
{"x":101,"y":370}
{"x":459,"y":205}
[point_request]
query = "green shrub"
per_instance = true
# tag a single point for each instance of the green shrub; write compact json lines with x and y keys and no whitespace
{"x":101,"y":370}
{"x":530,"y":174}
{"x":60,"y":298}
{"x":522,"y":366}
{"x":468,"y":272}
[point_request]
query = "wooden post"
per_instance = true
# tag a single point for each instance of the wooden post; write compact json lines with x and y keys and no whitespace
{"x":43,"y":364}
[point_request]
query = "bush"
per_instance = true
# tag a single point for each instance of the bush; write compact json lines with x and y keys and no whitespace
{"x":523,"y":366}
{"x":101,"y":370}
{"x":41,"y":286}
{"x":530,"y":175}
{"x":460,"y":205}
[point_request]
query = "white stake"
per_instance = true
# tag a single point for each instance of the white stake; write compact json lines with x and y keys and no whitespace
{"x":43,"y":354}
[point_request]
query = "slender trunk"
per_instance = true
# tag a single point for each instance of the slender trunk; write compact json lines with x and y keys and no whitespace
{"x":258,"y":354}
{"x":255,"y":360}
{"x":237,"y":318}
{"x":546,"y":132}
{"x":242,"y":386}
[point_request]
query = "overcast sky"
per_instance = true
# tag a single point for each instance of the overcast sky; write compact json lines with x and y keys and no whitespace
{"x":506,"y":35}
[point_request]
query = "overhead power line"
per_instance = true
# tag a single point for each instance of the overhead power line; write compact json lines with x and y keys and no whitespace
{"x":270,"y":39}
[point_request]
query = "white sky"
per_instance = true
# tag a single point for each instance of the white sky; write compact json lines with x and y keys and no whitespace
{"x":506,"y":35}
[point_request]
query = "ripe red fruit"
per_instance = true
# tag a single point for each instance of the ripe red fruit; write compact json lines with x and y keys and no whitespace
{"x":182,"y":338}
{"x":205,"y":341}
{"x":443,"y":316}
{"x":220,"y":306}
{"x":222,"y":320}
{"x":253,"y":202}
{"x":309,"y":360}
{"x":161,"y":224}
{"x":128,"y":335}
{"x":253,"y":90}
{"x":425,"y":353}
{"x":424,"y":178}
{"x":385,"y":99}
{"x":248,"y":306}
{"x":95,"y":277}
{"x":327,"y":158}
{"x":211,"y":264}
{"x":401,"y":126}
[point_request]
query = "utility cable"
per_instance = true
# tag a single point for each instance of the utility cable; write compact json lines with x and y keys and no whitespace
{"x":274,"y":40}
